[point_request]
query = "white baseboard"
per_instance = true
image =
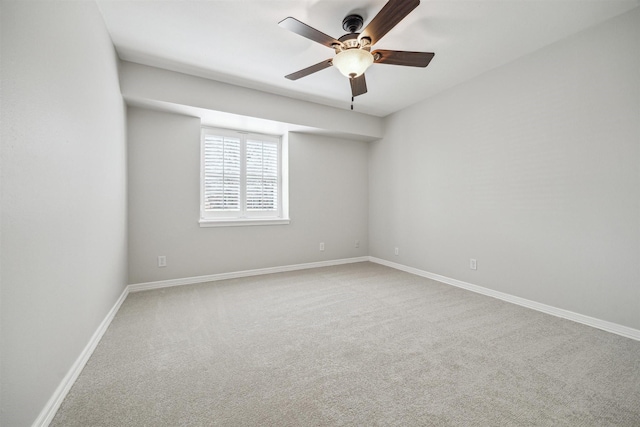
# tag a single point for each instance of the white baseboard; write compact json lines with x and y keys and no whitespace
{"x":236,"y":274}
{"x":615,"y":328}
{"x":52,"y":406}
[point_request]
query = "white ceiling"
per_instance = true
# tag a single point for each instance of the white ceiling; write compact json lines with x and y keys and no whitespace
{"x":240,"y":42}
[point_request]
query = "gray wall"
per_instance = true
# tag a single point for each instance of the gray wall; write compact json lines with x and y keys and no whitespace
{"x":532,"y":169}
{"x":63,"y":248}
{"x":328,"y":201}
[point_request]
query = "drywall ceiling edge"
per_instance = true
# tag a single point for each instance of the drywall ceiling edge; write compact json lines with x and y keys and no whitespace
{"x":144,"y":84}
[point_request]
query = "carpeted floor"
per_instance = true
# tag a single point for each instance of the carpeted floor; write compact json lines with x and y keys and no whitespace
{"x":351,"y":345}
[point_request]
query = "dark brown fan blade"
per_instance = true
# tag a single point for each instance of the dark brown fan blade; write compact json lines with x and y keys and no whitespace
{"x":292,"y":24}
{"x":391,"y":14}
{"x":309,"y":70}
{"x":399,"y":57}
{"x":358,"y":85}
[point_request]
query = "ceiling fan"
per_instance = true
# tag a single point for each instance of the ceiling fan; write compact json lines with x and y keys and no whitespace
{"x":353,"y":50}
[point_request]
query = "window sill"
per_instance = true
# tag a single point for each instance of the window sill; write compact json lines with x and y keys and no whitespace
{"x":242,"y":222}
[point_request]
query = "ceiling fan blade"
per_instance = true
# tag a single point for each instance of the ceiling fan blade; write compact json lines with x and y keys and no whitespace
{"x":309,"y":70}
{"x":391,"y":14}
{"x":400,"y":57}
{"x":300,"y":28}
{"x":358,"y":85}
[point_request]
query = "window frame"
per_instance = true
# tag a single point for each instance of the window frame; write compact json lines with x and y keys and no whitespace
{"x":243,"y":217}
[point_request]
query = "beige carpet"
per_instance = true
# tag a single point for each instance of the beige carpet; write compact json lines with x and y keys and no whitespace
{"x":352,"y":345}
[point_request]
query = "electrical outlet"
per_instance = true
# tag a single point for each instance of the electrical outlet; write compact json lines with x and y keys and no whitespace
{"x":397,"y":251}
{"x":473,"y":264}
{"x":357,"y":245}
{"x":162,"y":261}
{"x":321,"y":246}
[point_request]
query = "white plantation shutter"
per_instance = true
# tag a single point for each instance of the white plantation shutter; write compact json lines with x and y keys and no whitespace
{"x":222,"y":166}
{"x":241,"y":177}
{"x":262,"y":176}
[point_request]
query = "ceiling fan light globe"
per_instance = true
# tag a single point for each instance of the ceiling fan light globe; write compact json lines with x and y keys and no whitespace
{"x":353,"y":62}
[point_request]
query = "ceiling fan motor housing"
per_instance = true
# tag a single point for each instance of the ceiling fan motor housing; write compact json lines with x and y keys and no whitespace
{"x":352,"y":41}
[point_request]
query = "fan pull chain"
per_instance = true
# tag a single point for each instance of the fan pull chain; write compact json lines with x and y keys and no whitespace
{"x":352,"y":103}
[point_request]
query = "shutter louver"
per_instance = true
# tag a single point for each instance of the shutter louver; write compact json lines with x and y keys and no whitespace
{"x":221,"y":173}
{"x":262,"y":176}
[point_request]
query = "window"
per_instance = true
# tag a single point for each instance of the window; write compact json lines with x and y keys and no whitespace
{"x":242,"y":179}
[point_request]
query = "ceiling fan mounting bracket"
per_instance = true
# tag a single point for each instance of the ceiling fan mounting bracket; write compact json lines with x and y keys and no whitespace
{"x":352,"y":23}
